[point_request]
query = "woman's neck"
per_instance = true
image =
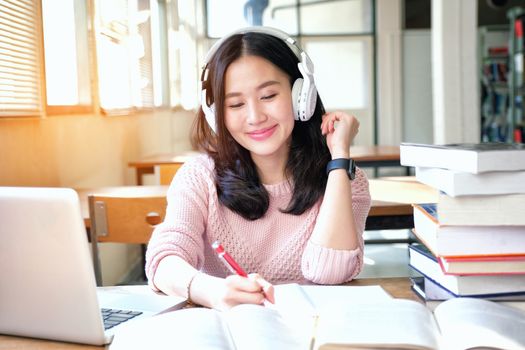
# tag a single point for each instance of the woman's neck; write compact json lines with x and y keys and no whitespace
{"x":271,"y":169}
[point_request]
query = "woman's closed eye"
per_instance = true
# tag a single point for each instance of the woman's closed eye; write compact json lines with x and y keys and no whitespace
{"x":269,"y":97}
{"x":236,"y":105}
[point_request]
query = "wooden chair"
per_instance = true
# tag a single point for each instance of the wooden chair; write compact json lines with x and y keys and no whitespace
{"x":164,"y":173}
{"x":129,"y":219}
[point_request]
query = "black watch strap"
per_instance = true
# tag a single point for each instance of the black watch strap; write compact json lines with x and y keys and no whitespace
{"x":342,"y":163}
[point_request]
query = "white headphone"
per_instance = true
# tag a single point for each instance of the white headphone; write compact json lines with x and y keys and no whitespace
{"x":304,"y":92}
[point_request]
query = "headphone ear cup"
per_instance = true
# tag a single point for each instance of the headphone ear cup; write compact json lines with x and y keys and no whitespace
{"x":310,"y":91}
{"x":209,"y":111}
{"x":296,"y":98}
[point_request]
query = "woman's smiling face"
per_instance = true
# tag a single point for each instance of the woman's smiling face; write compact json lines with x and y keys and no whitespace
{"x":258,"y":106}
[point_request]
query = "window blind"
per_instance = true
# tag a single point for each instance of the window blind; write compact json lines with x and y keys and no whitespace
{"x":146,"y":64}
{"x":20,"y":58}
{"x":125,"y":71}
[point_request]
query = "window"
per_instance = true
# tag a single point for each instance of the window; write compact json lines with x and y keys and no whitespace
{"x":296,"y":17}
{"x":20,"y":52}
{"x":125,"y":72}
{"x":68,"y":87}
{"x":348,"y":62}
{"x":77,"y":56}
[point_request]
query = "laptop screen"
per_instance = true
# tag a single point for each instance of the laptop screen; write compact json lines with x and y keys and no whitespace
{"x":48,"y":287}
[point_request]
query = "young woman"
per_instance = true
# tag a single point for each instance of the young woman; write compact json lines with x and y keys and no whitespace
{"x":273,"y":185}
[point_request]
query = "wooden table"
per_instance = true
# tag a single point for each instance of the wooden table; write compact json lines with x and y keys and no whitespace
{"x":364,"y":156}
{"x":392,"y":199}
{"x":375,"y":156}
{"x":398,"y":287}
{"x":146,"y":165}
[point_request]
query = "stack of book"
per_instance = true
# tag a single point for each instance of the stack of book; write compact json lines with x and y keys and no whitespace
{"x":472,"y":241}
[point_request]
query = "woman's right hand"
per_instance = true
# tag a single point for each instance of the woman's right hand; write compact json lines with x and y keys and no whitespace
{"x":237,"y":290}
{"x":174,"y":276}
{"x":339,"y":137}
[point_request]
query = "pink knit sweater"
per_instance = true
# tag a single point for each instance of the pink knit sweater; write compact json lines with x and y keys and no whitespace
{"x":276,"y":246}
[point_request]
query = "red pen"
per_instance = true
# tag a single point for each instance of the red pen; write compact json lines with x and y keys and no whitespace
{"x":228,"y":260}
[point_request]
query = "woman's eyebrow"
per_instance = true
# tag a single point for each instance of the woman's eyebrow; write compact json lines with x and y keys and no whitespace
{"x":261,"y":86}
{"x":268,"y":83}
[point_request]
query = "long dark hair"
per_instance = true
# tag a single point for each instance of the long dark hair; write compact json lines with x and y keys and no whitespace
{"x":238,"y":185}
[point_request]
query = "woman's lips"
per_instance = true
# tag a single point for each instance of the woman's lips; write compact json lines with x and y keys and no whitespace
{"x":262,"y":134}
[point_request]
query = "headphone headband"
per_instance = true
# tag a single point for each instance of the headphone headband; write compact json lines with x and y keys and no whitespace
{"x":292,"y":43}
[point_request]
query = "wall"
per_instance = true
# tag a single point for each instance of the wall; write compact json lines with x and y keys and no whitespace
{"x":417,"y":87}
{"x":455,"y":78}
{"x":89,"y":151}
{"x":389,"y":79}
{"x":85,"y":151}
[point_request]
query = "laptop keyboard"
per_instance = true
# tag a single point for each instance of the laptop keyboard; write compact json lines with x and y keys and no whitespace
{"x":114,"y":317}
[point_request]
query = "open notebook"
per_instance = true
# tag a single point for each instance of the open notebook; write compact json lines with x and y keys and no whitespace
{"x":48,"y":287}
{"x":333,"y":318}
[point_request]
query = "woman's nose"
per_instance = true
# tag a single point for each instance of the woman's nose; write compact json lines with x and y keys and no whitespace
{"x":255,"y":113}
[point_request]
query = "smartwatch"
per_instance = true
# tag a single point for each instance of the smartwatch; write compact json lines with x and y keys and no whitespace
{"x":342,"y":163}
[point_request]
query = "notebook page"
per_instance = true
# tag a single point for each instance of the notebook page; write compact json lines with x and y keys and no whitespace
{"x":396,"y":323}
{"x":311,"y":299}
{"x":255,"y":327}
{"x":291,"y":299}
{"x":473,"y":322}
{"x":195,"y":328}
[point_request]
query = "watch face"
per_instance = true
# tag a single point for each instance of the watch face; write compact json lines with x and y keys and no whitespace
{"x":351,"y":171}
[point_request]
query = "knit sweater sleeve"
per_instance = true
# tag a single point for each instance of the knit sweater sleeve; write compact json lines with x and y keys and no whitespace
{"x":331,"y":266}
{"x":181,"y":233}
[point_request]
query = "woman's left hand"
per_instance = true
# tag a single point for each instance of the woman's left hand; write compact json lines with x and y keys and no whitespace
{"x":340,"y":130}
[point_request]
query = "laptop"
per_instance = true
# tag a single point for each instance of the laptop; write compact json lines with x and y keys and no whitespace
{"x":47,"y":281}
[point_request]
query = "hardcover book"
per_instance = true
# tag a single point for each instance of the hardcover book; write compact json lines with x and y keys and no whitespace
{"x":469,"y":157}
{"x":458,"y":240}
{"x":432,"y":294}
{"x":387,"y":324}
{"x":493,"y":210}
{"x":458,"y":183}
{"x":483,"y":265}
{"x":424,"y":262}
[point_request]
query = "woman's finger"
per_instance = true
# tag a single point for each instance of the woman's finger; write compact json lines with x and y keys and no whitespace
{"x":267,"y":288}
{"x":243,"y":284}
{"x":242,"y":290}
{"x":242,"y":297}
